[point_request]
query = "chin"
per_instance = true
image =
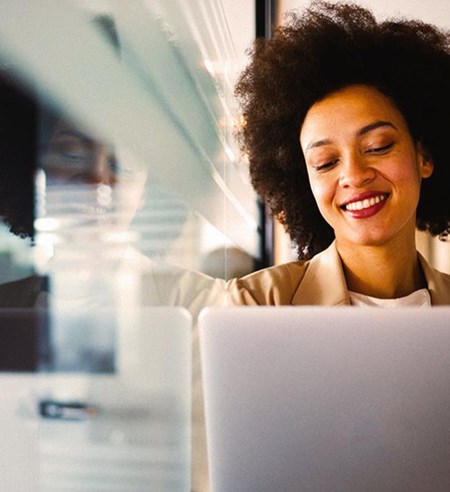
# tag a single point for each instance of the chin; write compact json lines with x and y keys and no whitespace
{"x":367,"y":240}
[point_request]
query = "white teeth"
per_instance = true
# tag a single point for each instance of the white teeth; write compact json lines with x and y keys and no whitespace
{"x":366,"y":203}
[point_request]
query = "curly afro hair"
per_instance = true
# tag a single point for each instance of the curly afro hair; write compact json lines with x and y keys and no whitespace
{"x":322,"y":50}
{"x":18,"y":123}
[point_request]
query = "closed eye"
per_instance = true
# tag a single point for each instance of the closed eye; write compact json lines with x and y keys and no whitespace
{"x":75,"y":156}
{"x":380,"y":150}
{"x":326,"y":165}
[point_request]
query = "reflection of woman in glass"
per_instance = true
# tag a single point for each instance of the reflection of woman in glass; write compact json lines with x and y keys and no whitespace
{"x":74,"y":157}
{"x":84,"y":175}
{"x":17,"y":164}
{"x":346,"y":132}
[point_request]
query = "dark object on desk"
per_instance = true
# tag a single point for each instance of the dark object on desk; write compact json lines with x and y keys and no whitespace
{"x":61,"y":410}
{"x":24,"y":336}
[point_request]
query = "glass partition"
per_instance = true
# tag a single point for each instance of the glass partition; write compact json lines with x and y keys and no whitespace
{"x":123,"y":185}
{"x":148,"y":90}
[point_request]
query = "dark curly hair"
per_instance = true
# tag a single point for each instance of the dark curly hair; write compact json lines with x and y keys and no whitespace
{"x":18,"y":123}
{"x":322,"y":50}
{"x":25,"y":127}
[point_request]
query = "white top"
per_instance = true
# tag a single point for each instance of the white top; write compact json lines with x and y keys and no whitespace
{"x":419,"y":297}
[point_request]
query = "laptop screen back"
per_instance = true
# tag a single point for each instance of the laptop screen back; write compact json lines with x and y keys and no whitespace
{"x":327,"y":399}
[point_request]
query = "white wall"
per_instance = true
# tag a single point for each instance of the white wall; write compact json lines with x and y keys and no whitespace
{"x":241,"y":20}
{"x":433,"y":11}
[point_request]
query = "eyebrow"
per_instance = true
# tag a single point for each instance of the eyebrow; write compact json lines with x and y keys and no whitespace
{"x":362,"y":131}
{"x":75,"y":134}
{"x":373,"y":126}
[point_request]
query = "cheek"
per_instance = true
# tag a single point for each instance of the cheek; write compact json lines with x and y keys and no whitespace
{"x":406,"y":173}
{"x":324,"y":201}
{"x":322,"y":193}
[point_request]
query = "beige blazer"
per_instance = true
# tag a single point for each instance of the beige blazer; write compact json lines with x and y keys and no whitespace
{"x":319,"y":281}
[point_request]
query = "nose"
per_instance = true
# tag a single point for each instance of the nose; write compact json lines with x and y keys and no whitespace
{"x":101,"y":168}
{"x":355,"y":171}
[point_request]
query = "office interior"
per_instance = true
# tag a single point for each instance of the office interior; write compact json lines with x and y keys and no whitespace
{"x":128,"y":205}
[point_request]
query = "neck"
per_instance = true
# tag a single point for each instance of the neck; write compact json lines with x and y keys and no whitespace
{"x":380,"y":271}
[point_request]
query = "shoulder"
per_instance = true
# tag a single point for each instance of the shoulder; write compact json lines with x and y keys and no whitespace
{"x":438,"y":283}
{"x":440,"y":288}
{"x":166,"y":284}
{"x":23,"y":293}
{"x":270,"y":286}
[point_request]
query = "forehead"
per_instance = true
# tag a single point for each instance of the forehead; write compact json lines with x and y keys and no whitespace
{"x":64,"y":128}
{"x":347,"y":111}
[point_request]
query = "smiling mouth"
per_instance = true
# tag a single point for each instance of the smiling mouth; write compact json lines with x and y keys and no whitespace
{"x":365,"y":204}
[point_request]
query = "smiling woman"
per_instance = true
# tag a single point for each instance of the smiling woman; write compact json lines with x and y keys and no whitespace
{"x":365,"y":174}
{"x":346,"y":137}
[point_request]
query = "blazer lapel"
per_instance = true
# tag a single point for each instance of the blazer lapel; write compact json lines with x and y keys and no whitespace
{"x":324,"y":282}
{"x":438,"y":283}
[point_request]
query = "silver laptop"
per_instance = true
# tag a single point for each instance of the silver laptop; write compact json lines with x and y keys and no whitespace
{"x":95,"y":400}
{"x":317,"y":399}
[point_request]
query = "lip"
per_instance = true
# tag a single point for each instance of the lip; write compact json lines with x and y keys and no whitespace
{"x":375,"y":201}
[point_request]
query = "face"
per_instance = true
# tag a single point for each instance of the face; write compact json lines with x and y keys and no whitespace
{"x":363,"y":166}
{"x":89,"y":186}
{"x":73,"y":157}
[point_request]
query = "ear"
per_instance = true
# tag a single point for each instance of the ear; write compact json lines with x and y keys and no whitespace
{"x":426,"y":165}
{"x":427,"y":168}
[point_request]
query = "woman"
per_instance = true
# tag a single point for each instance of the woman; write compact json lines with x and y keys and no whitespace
{"x":346,"y":133}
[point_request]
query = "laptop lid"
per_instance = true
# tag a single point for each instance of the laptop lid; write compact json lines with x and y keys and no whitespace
{"x":327,"y":399}
{"x":95,"y":400}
